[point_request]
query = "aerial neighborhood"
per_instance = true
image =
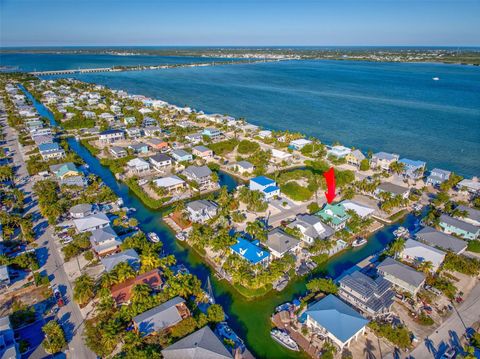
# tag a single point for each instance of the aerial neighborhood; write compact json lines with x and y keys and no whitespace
{"x":115,"y":181}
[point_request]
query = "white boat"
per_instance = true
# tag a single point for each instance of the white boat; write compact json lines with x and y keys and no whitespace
{"x":401,"y":232}
{"x":435,"y":78}
{"x":153,"y":237}
{"x":181,"y":236}
{"x":359,"y":242}
{"x":284,"y":339}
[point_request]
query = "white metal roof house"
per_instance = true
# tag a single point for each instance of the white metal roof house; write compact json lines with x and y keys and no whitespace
{"x":91,"y":222}
{"x":418,"y":252}
{"x":138,"y":165}
{"x":311,"y":228}
{"x":201,"y":210}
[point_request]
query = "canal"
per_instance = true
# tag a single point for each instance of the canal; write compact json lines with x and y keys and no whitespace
{"x":249,"y":318}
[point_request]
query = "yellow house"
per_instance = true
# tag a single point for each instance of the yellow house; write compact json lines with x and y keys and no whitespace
{"x":355,"y":157}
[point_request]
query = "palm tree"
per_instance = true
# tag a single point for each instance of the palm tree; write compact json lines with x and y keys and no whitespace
{"x":397,"y":246}
{"x":83,"y":289}
{"x":124,"y":272}
{"x":397,"y":167}
{"x":108,"y":279}
{"x":140,"y":293}
{"x":149,"y":260}
{"x":425,"y":266}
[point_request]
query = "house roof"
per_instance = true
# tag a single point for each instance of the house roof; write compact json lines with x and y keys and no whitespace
{"x":103,"y":234}
{"x":472,"y":213}
{"x":201,"y":205}
{"x":423,"y":252}
{"x":311,"y":226}
{"x":168,"y":181}
{"x":94,"y":220}
{"x":440,"y":239}
{"x":271,"y":189}
{"x":392,"y":188}
{"x":137,"y":162}
{"x":202,"y":344}
{"x":385,"y":156}
{"x":160,"y":317}
{"x":412,"y":163}
{"x":358,"y":208}
{"x":281,"y":242}
{"x":46,"y":147}
{"x":180,"y":153}
{"x":198,"y":171}
{"x":111,"y":132}
{"x":337,"y":317}
{"x":202,"y":149}
{"x":453,"y":222}
{"x":81,"y":208}
{"x":334,"y":213}
{"x":263,"y":181}
{"x":250,"y":251}
{"x":130,"y":256}
{"x":122,"y":292}
{"x":244,"y":164}
{"x":358,"y":155}
{"x":401,"y":271}
{"x":160,"y":157}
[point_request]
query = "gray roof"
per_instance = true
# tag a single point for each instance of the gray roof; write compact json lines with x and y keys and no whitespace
{"x":129,"y":256}
{"x":308,"y":221}
{"x":392,"y":188}
{"x":103,"y":234}
{"x":91,"y":221}
{"x":442,"y":240}
{"x":180,"y":153}
{"x":385,"y":156}
{"x":160,"y":157}
{"x":401,"y":271}
{"x":280,"y":241}
{"x":467,"y":227}
{"x":162,"y":316}
{"x":202,"y":205}
{"x":81,"y":208}
{"x":201,"y":148}
{"x":245,"y":164}
{"x":202,"y":344}
{"x":358,"y":155}
{"x":198,"y":171}
{"x":473,"y":214}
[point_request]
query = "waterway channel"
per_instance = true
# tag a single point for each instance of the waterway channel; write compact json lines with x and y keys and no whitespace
{"x":249,"y":318}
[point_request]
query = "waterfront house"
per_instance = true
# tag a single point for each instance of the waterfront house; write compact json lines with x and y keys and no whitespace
{"x":81,"y":210}
{"x":265,"y":185}
{"x":50,"y":151}
{"x":472,"y":215}
{"x":383,"y":160}
{"x":122,"y":292}
{"x":139,"y":148}
{"x":355,"y":158}
{"x":185,"y":124}
{"x":202,"y":152}
{"x":339,"y":151}
{"x":200,"y":344}
{"x":110,"y":136}
{"x":201,"y":210}
{"x":334,"y":215}
{"x":280,"y":156}
{"x":181,"y":155}
{"x":372,"y":297}
{"x":118,"y":152}
{"x":149,"y":122}
{"x":9,"y":348}
{"x":413,"y":169}
{"x":311,"y":228}
{"x":299,"y":144}
{"x":460,"y":228}
{"x":280,"y":243}
{"x":400,"y":275}
{"x":265,"y":134}
{"x":91,"y":222}
{"x":202,"y":175}
{"x":441,"y":240}
{"x":161,"y":317}
{"x":470,"y":185}
{"x":251,"y":252}
{"x":138,"y":166}
{"x":417,"y":252}
{"x":393,"y":189}
{"x":332,"y":317}
{"x":41,"y":139}
{"x":128,"y":256}
{"x":212,"y":133}
{"x":243,"y":167}
{"x":64,"y":170}
{"x":133,"y":133}
{"x":438,"y":176}
{"x":170,"y":183}
{"x":360,"y":209}
{"x":160,"y":162}
{"x":157,"y":144}
{"x":105,"y":241}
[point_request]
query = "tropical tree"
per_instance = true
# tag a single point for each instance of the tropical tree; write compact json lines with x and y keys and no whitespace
{"x":149,"y":260}
{"x":54,"y":340}
{"x":215,"y":313}
{"x":124,"y":271}
{"x":83,"y":289}
{"x":396,"y":247}
{"x":397,"y":167}
{"x":322,"y":285}
{"x":257,"y":230}
{"x":426,"y":267}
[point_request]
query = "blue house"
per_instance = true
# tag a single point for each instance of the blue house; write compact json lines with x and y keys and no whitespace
{"x":213,"y":133}
{"x":413,"y":169}
{"x":251,"y":251}
{"x":267,"y":186}
{"x":460,"y":228}
{"x":181,"y":155}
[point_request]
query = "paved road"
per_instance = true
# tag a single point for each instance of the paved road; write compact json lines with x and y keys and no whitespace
{"x":68,"y":316}
{"x":452,"y":330}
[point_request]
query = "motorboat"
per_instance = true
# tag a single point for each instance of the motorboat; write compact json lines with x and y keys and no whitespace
{"x":401,"y":232}
{"x":284,"y":339}
{"x":152,"y":236}
{"x":359,"y":242}
{"x":435,"y":78}
{"x":181,"y":236}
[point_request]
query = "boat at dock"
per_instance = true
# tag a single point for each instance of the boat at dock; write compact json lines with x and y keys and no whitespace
{"x":401,"y":232}
{"x":152,"y":236}
{"x":284,"y":339}
{"x":359,"y":242}
{"x":181,"y":236}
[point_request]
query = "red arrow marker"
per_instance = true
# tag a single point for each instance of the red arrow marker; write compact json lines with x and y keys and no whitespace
{"x":330,"y":178}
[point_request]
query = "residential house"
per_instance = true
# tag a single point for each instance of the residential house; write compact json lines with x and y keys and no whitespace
{"x":265,"y":134}
{"x":89,"y":114}
{"x":152,"y":131}
{"x":130,"y":120}
{"x":393,"y":189}
{"x":181,"y":155}
{"x":9,"y":349}
{"x":311,"y":228}
{"x":280,"y":243}
{"x":460,"y":228}
{"x":339,"y":151}
{"x":372,"y":297}
{"x":441,"y":240}
{"x":138,"y":166}
{"x":360,"y":209}
{"x":64,"y":170}
{"x":149,"y":122}
{"x":243,"y":167}
{"x":170,"y":183}
{"x":202,"y":175}
{"x":401,"y":275}
{"x":157,"y":144}
{"x":107,"y":117}
{"x":212,"y":133}
{"x":134,"y":132}
{"x":355,"y":158}
{"x":161,"y":317}
{"x":383,"y":160}
{"x":265,"y":185}
{"x":194,"y":138}
{"x":251,"y":252}
{"x":50,"y":151}
{"x":201,"y":210}
{"x":122,"y":292}
{"x":417,"y":252}
{"x":299,"y":144}
{"x":81,"y":210}
{"x":160,"y":162}
{"x":91,"y":222}
{"x":200,"y":344}
{"x":41,"y":139}
{"x":470,"y":185}
{"x":472,"y":215}
{"x":334,"y":215}
{"x":139,"y":148}
{"x":105,"y":241}
{"x":280,"y":156}
{"x":438,"y":176}
{"x":202,"y":152}
{"x":111,"y":136}
{"x":118,"y":152}
{"x":332,"y":317}
{"x":413,"y":169}
{"x":128,"y":256}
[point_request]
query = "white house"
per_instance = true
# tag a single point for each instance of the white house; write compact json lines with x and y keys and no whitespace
{"x":418,"y":252}
{"x":267,"y":186}
{"x":138,"y":165}
{"x":299,"y":144}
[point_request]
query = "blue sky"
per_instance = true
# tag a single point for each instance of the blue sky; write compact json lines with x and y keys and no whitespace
{"x":239,"y":22}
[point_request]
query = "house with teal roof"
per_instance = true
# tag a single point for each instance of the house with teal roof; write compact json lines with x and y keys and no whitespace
{"x":66,"y":169}
{"x":335,"y":215}
{"x":333,"y":318}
